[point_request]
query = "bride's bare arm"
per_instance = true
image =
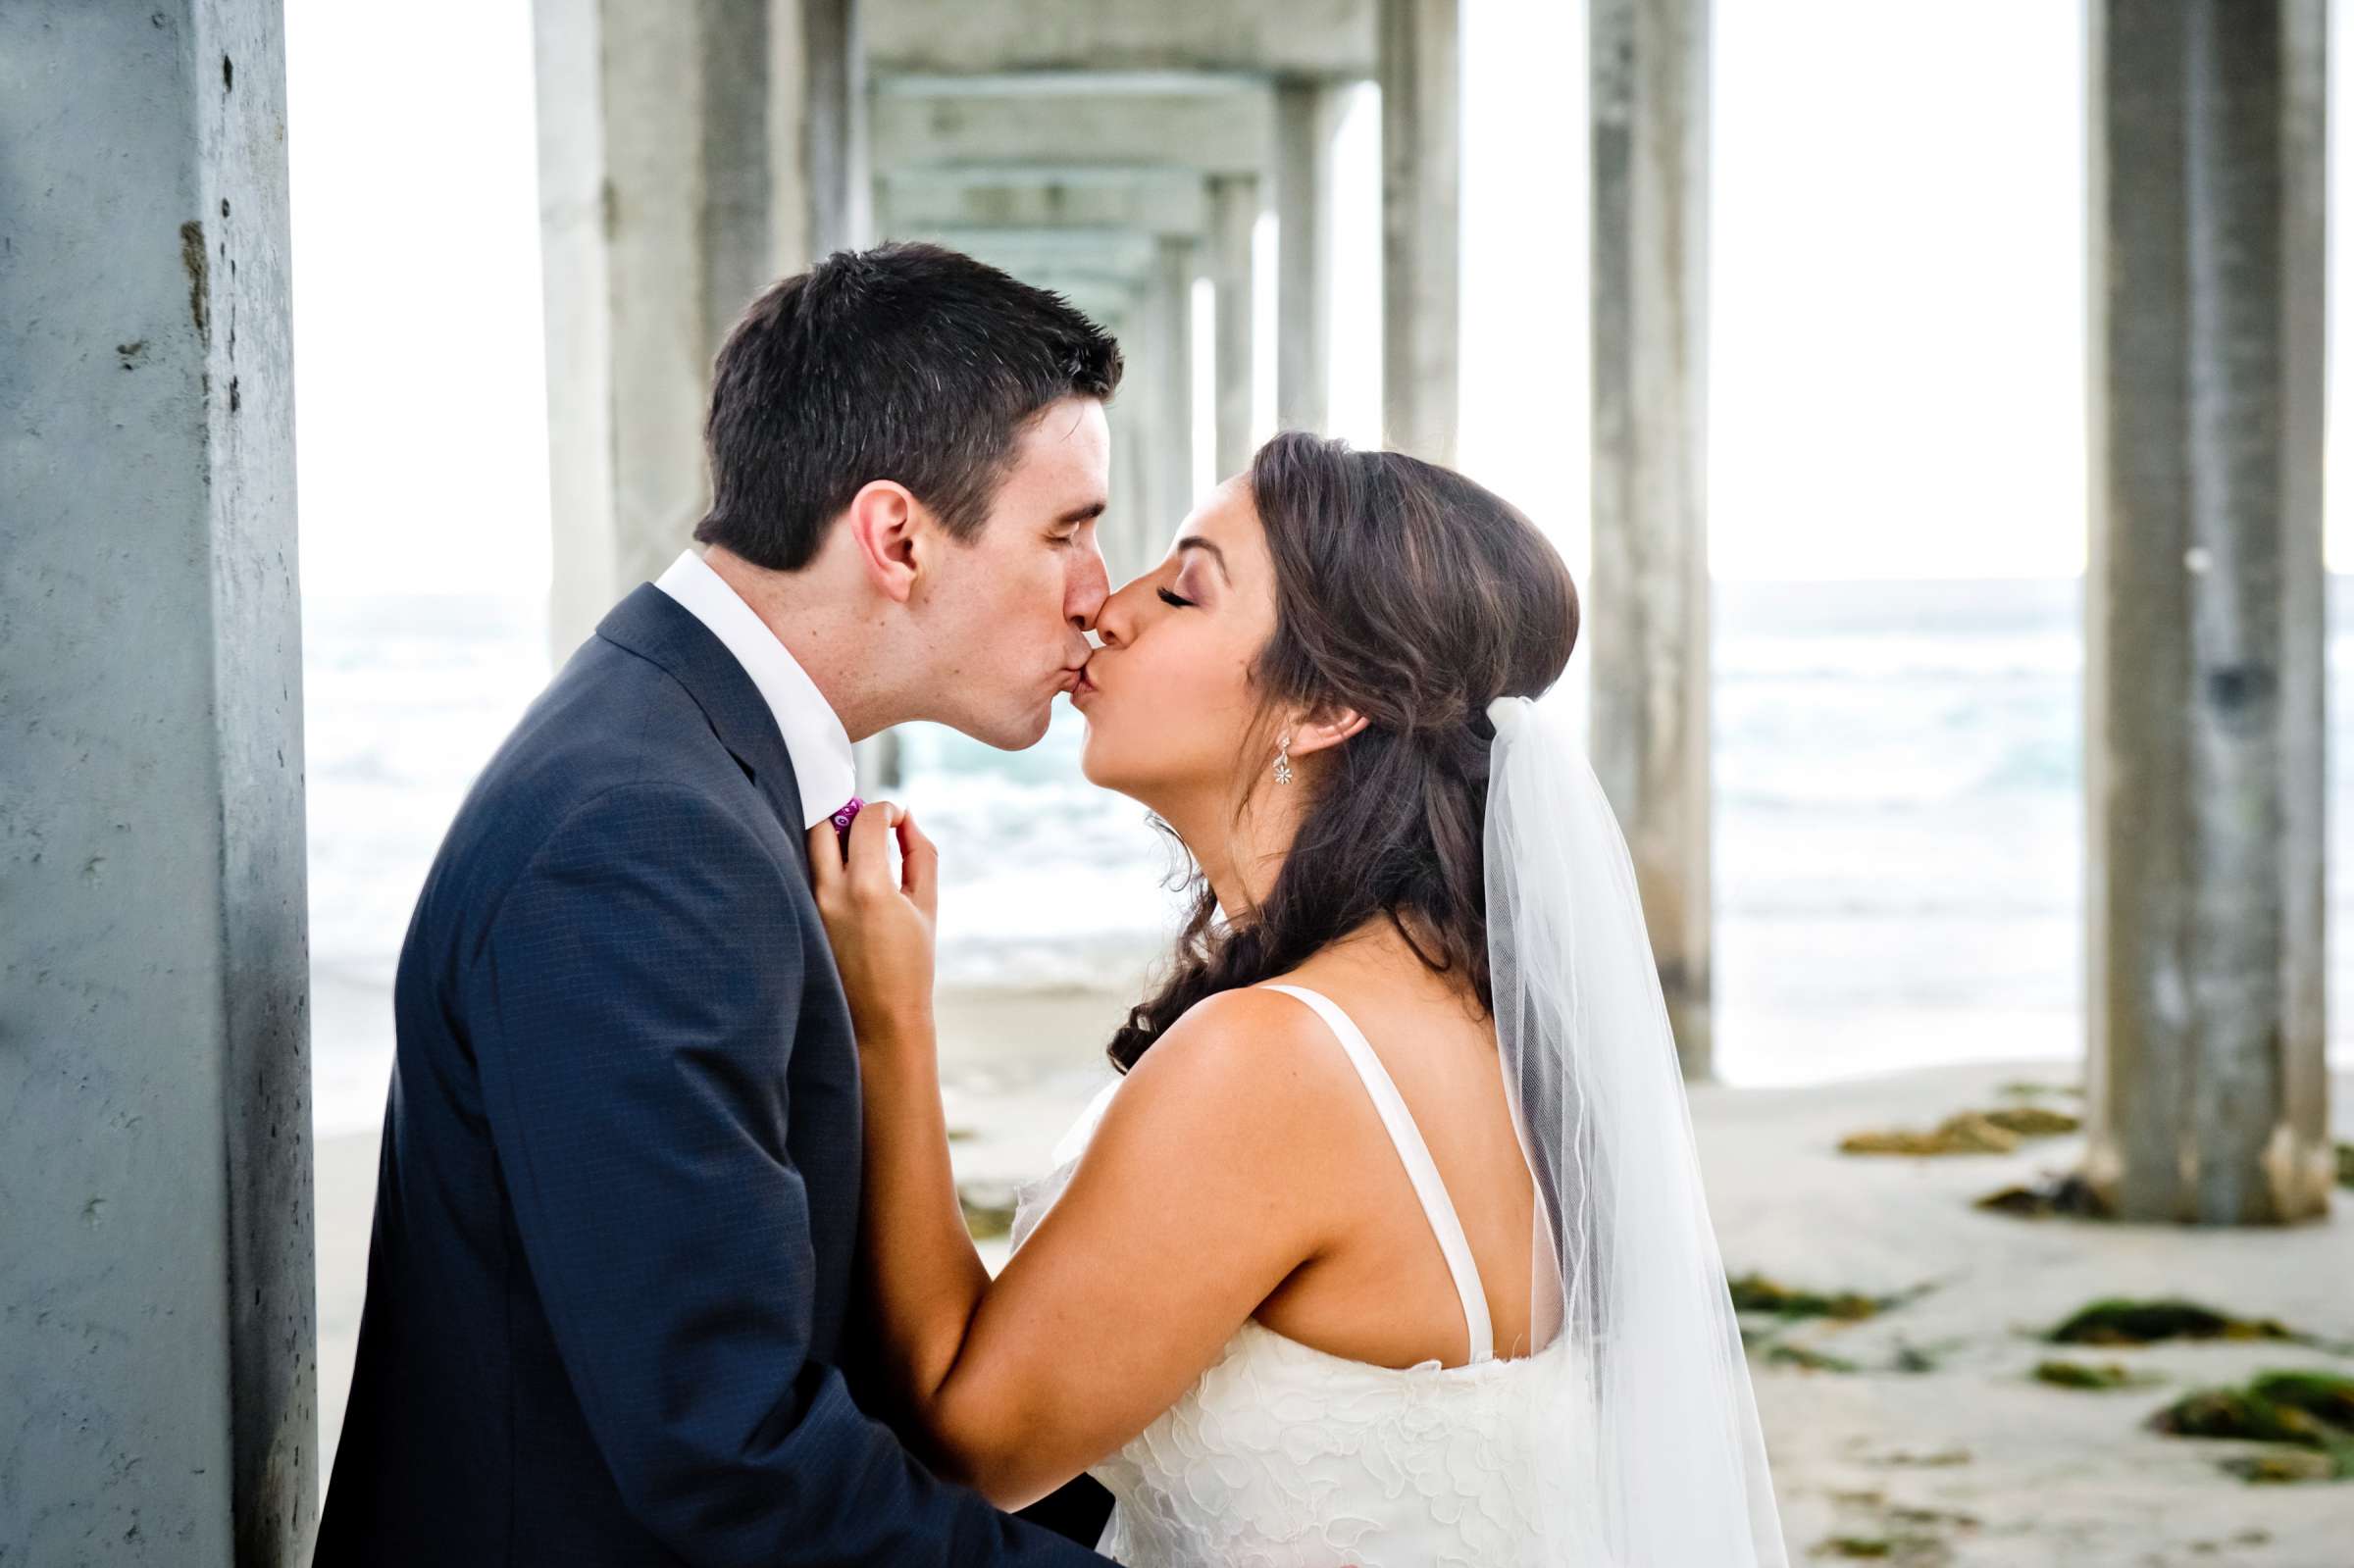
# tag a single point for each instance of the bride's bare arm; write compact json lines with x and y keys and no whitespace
{"x":1197,"y":1198}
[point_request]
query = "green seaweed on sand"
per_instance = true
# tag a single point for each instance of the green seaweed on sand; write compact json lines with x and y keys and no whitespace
{"x":1907,"y":1358}
{"x":1912,"y":1548}
{"x":2068,"y":1194}
{"x":2122,"y":1321}
{"x":1807,"y":1359}
{"x":2324,"y":1395}
{"x":1754,"y":1292}
{"x":1767,"y":1309}
{"x":2308,"y":1415}
{"x":2095,"y":1377}
{"x":2281,"y":1466}
{"x":2033,"y":1120}
{"x":2241,"y":1414}
{"x":1967,"y":1133}
{"x":1995,"y":1131}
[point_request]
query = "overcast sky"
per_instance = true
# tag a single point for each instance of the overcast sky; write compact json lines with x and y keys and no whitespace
{"x":1896,"y":312}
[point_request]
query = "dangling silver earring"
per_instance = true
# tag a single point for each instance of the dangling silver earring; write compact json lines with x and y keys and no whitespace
{"x":1283,"y":761}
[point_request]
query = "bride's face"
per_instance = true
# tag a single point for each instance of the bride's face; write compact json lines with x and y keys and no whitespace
{"x":1169,"y":701}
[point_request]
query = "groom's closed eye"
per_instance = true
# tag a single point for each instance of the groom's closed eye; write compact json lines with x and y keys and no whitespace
{"x":1068,"y":528}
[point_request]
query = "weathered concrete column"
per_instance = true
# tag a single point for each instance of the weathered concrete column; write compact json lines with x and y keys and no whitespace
{"x":828,"y":122}
{"x":158,"y":1402}
{"x":690,"y":151}
{"x":1233,"y":216}
{"x":2203,"y":615}
{"x":1303,"y":162}
{"x":1648,"y":604}
{"x":1421,"y":69}
{"x":1164,"y":357}
{"x":827,"y":119}
{"x":1127,"y":530}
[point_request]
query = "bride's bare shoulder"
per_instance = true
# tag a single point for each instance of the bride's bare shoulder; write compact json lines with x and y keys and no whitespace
{"x":1243,"y":1096}
{"x":1256,"y":1054}
{"x":1245,"y":1031}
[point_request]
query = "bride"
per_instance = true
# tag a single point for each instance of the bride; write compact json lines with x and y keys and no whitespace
{"x":1387,"y":1247}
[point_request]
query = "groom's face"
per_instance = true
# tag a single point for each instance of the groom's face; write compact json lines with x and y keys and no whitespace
{"x":1010,"y":612}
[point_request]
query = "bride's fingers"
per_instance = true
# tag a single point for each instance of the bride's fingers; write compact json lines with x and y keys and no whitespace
{"x":871,"y":834}
{"x":919,"y":866}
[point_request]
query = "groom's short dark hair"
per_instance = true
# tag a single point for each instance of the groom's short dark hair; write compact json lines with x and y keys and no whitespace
{"x":906,"y":362}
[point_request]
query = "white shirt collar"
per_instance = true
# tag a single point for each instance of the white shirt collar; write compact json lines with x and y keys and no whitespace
{"x":820,"y":747}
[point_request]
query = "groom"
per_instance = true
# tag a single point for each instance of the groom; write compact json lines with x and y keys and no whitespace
{"x":615,"y":1220}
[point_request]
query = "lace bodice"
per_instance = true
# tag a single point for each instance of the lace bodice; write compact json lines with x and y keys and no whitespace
{"x":1285,"y":1457}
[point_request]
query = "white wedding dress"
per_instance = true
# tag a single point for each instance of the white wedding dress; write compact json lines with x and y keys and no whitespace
{"x":1284,"y":1456}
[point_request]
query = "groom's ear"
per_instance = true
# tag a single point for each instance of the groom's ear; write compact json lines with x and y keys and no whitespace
{"x":885,"y":520}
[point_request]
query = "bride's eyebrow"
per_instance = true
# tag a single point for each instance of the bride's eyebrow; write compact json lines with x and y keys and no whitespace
{"x":1195,"y":541}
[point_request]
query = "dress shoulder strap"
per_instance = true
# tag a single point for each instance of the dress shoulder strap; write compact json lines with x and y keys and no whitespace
{"x":1414,"y":1155}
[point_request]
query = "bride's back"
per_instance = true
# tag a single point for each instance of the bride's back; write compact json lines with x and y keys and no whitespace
{"x":1383,"y":1293}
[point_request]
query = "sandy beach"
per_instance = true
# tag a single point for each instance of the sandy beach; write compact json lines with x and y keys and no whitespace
{"x":1939,"y":1448}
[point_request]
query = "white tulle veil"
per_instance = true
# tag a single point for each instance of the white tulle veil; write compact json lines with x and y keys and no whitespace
{"x":1663,"y":1432}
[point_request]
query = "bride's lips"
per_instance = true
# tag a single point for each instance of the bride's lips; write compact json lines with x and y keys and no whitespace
{"x":1085,"y":687}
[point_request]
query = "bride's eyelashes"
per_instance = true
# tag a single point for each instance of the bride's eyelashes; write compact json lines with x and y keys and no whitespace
{"x":1174,"y":601}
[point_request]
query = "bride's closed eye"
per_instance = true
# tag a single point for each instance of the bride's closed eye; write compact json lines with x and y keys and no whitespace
{"x":1174,"y":600}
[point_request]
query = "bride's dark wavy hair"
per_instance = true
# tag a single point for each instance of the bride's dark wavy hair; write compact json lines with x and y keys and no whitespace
{"x":1412,"y":596}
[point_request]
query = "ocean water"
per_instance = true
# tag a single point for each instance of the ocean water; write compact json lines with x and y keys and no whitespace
{"x":1897,"y":828}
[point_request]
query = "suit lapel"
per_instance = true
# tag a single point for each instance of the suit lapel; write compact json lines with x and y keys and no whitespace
{"x":652,"y":624}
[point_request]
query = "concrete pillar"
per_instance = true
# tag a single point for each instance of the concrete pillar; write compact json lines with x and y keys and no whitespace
{"x":1164,"y":367}
{"x":1126,"y":532}
{"x":158,"y":1402}
{"x":1302,"y":165}
{"x":1419,"y":48}
{"x":1649,"y":606}
{"x":2204,"y":618}
{"x":1233,"y":218}
{"x":830,"y":123}
{"x":690,"y":151}
{"x":827,"y":119}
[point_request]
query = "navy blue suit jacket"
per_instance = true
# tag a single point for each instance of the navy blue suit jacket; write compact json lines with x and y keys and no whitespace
{"x":619,"y":1193}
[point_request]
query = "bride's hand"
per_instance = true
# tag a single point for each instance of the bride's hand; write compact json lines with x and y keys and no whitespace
{"x":880,"y":926}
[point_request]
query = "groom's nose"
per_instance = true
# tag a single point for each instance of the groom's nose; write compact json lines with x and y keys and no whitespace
{"x":1087,"y":586}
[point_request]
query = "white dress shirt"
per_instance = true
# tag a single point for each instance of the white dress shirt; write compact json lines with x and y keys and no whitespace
{"x":820,"y":747}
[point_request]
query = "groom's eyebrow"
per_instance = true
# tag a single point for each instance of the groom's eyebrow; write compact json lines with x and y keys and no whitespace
{"x":1081,"y":514}
{"x":1195,"y":541}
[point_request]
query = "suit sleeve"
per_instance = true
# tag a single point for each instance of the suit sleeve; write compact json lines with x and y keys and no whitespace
{"x":641,"y":980}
